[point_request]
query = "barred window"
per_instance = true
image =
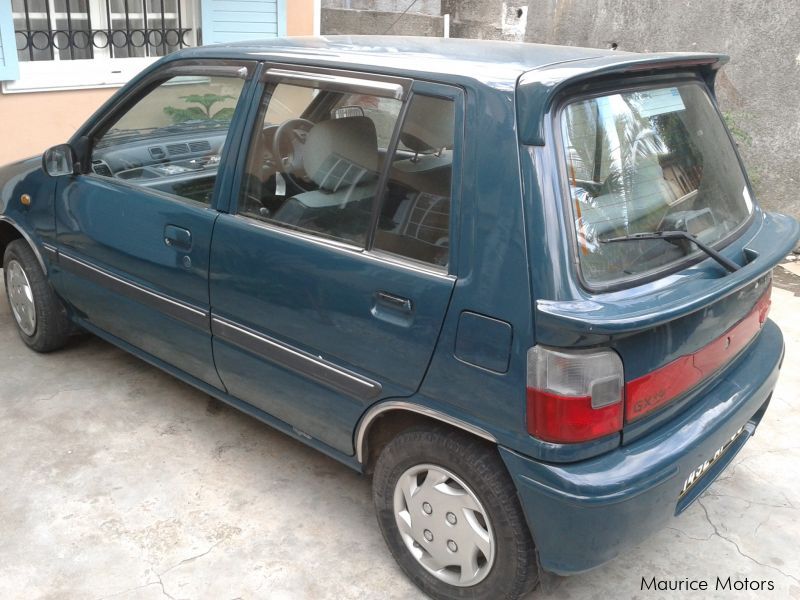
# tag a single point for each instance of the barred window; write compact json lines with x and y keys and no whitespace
{"x":86,"y":29}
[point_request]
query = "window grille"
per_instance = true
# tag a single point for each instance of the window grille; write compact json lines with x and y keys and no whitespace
{"x":87,"y":29}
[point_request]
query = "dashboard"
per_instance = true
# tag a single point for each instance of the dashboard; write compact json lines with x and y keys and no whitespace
{"x":183,"y":164}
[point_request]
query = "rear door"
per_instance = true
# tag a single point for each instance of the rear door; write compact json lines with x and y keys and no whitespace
{"x":134,"y":234}
{"x":328,"y":293}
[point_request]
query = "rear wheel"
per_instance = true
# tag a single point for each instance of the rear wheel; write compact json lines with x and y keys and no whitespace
{"x":40,"y":316}
{"x":449,"y":513}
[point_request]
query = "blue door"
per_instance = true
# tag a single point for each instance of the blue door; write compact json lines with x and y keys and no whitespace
{"x":134,"y":234}
{"x":331,"y":277}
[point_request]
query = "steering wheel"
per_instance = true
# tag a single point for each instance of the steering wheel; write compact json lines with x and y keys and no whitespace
{"x":287,"y":148}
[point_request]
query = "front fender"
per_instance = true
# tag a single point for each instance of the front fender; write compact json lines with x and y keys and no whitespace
{"x":36,"y":221}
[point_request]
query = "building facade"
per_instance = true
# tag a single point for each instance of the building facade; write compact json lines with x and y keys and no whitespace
{"x":61,"y":59}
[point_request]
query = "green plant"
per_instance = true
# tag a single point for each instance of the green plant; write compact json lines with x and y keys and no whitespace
{"x":201,"y":112}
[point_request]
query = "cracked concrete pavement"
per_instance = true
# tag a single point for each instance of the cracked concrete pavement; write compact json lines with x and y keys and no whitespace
{"x":120,"y":482}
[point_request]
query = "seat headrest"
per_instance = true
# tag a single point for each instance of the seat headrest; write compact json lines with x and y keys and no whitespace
{"x":341,"y":152}
{"x":428,"y":125}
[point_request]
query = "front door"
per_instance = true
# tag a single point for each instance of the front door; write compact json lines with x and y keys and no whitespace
{"x":328,"y":293}
{"x":134,"y":234}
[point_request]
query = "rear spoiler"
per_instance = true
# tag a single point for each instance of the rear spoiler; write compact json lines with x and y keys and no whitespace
{"x":537,"y":89}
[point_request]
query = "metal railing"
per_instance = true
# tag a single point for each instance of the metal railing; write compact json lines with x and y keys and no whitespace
{"x":85,"y":29}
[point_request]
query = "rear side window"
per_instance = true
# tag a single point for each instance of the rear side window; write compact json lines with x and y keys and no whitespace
{"x":415,"y":216}
{"x":649,"y":160}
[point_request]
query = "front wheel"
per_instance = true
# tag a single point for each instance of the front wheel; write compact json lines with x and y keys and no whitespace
{"x":449,"y":513}
{"x":39,"y":315}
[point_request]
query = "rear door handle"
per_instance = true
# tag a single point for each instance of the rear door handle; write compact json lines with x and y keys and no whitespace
{"x":178,"y":238}
{"x":396,"y":302}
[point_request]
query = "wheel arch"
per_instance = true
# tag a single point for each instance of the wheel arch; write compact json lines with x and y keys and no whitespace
{"x":10,"y":231}
{"x":375,"y":430}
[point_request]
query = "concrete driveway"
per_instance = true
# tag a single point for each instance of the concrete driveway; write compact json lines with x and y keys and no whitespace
{"x":120,"y":482}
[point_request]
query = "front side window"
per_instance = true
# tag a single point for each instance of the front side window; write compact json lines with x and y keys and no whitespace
{"x":649,"y":160}
{"x":171,"y":140}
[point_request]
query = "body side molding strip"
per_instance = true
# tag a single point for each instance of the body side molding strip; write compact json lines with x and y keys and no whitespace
{"x":51,"y":252}
{"x":191,"y":315}
{"x":378,"y":409}
{"x":320,"y":370}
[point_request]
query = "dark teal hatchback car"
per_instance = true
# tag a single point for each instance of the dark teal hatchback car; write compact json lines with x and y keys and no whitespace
{"x":524,"y":287}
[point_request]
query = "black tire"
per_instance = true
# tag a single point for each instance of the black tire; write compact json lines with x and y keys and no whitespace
{"x":53,"y":326}
{"x":514,"y":571}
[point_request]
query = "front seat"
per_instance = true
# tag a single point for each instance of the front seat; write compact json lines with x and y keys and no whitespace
{"x":341,"y":157}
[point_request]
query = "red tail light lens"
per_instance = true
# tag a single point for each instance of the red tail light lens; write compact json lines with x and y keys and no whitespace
{"x":657,"y":388}
{"x":574,"y":396}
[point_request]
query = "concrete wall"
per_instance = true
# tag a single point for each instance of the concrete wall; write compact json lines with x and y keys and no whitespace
{"x":32,"y":122}
{"x":357,"y":21}
{"x":759,"y":90}
{"x":475,"y":19}
{"x":487,"y":19}
{"x":425,"y":7}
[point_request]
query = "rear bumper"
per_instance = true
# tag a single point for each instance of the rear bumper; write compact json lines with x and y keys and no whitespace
{"x":586,"y":513}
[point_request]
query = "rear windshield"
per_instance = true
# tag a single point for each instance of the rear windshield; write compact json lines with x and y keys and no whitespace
{"x":656,"y":159}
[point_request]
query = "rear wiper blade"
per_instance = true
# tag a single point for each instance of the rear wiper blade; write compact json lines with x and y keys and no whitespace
{"x":672,"y":237}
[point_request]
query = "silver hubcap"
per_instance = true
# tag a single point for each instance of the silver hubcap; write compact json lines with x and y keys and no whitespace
{"x":20,"y":296}
{"x":444,"y":525}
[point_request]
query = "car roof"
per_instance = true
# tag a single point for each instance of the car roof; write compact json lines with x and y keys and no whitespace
{"x":494,"y":64}
{"x":535,"y":73}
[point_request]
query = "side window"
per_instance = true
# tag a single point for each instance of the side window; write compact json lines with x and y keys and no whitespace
{"x":315,"y":159}
{"x":415,"y":216}
{"x":172,"y":138}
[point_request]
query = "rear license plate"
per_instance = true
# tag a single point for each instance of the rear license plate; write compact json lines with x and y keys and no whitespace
{"x":698,"y":473}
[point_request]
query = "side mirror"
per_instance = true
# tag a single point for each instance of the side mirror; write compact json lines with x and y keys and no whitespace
{"x":59,"y":160}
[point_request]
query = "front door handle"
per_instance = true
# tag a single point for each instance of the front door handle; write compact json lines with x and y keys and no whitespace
{"x":396,"y":302}
{"x":178,"y":238}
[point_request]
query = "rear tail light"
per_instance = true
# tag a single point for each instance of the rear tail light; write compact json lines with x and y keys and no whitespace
{"x":577,"y":396}
{"x":574,"y":396}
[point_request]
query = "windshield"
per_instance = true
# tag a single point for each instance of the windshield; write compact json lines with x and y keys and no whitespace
{"x":648,"y":160}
